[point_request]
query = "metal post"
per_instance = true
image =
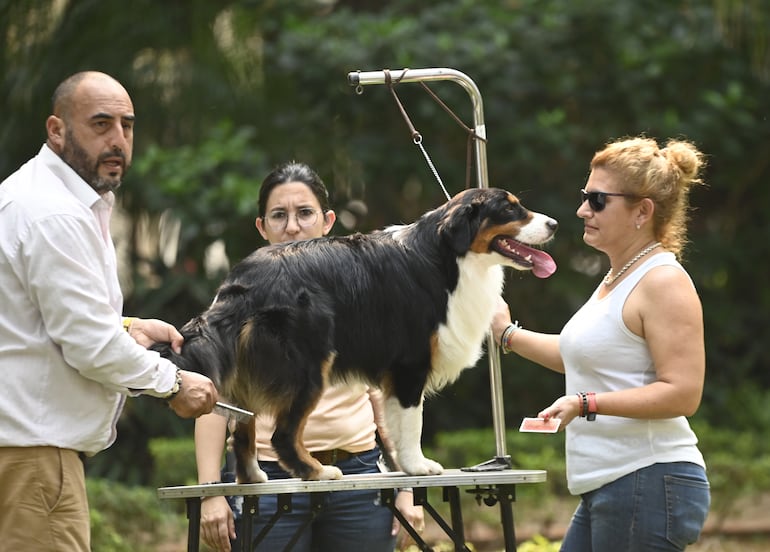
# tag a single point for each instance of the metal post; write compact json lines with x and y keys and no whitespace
{"x":364,"y":78}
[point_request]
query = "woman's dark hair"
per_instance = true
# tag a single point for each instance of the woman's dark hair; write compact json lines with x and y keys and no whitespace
{"x":293,"y":172}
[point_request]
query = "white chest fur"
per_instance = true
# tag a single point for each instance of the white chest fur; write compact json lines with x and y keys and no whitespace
{"x":469,"y":314}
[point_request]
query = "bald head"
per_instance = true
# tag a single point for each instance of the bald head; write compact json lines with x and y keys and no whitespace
{"x":67,"y":91}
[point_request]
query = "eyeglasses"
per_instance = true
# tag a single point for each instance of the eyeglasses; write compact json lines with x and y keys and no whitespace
{"x":598,"y":200}
{"x":278,"y":219}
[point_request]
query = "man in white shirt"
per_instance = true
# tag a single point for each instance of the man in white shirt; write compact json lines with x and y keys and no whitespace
{"x":66,"y":360}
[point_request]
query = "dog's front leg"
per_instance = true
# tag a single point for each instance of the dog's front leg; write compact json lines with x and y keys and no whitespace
{"x":405,"y":429}
{"x":247,"y":468}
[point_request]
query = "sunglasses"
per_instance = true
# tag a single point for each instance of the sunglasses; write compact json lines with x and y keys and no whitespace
{"x":598,"y":200}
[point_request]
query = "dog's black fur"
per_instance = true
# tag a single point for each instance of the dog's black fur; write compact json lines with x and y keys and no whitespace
{"x":405,"y":309}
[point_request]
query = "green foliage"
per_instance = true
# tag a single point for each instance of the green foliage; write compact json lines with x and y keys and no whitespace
{"x":174,"y":462}
{"x":539,"y":543}
{"x":128,"y":519}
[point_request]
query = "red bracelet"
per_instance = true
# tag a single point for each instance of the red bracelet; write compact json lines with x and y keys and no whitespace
{"x":592,"y":409}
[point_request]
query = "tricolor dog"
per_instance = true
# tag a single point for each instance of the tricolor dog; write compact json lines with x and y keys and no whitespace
{"x":405,"y":309}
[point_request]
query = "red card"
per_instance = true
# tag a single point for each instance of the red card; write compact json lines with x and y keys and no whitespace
{"x":540,"y":425}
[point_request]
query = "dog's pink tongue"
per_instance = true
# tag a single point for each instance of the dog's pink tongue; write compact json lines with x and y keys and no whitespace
{"x":544,"y":265}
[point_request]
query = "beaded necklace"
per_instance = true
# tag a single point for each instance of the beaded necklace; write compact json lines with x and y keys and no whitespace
{"x":609,"y":280}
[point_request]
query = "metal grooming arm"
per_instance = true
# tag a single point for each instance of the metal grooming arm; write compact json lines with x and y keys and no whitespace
{"x":359,"y":79}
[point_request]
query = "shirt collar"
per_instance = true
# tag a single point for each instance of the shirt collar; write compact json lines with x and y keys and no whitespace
{"x":72,"y":180}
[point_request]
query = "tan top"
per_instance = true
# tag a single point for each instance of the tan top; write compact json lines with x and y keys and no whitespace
{"x":343,"y":419}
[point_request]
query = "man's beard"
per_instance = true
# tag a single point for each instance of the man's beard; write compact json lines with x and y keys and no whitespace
{"x":77,"y":158}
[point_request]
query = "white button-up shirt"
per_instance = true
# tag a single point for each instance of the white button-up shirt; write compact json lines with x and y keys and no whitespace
{"x":66,"y":364}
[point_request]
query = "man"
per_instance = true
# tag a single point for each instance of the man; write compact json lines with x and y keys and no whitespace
{"x":66,"y":361}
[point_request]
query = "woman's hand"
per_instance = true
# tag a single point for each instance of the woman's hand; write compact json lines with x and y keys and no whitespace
{"x":501,"y":320}
{"x":413,"y":514}
{"x":217,"y":523}
{"x":565,"y":408}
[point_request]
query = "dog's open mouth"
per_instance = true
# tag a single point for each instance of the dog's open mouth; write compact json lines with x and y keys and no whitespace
{"x":540,"y":262}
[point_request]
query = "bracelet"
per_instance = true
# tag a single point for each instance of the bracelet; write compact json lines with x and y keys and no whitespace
{"x":406,"y":490}
{"x":592,"y":409}
{"x":588,"y":408}
{"x":505,"y":338}
{"x":128,"y":321}
{"x":176,"y":388}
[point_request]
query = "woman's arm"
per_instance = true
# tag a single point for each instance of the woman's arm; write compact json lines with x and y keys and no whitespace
{"x":217,"y":522}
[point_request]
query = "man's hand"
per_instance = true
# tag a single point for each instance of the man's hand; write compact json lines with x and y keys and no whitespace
{"x":148,"y":331}
{"x":197,"y":395}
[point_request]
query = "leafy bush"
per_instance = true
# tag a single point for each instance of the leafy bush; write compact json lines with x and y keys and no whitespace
{"x":128,"y":519}
{"x":174,"y":461}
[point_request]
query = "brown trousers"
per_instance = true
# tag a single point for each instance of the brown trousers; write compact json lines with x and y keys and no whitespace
{"x":43,"y":502}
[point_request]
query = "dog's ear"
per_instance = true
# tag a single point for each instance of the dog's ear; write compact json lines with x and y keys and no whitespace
{"x":460,"y":227}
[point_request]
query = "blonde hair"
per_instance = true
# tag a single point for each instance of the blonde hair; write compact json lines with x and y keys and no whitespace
{"x":663,"y":175}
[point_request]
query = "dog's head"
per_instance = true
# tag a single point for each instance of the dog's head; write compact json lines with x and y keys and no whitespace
{"x":202,"y":351}
{"x":492,"y":221}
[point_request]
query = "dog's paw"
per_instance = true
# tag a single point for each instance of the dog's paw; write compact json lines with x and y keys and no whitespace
{"x":254,"y":474}
{"x":422,"y":466}
{"x":326,"y":473}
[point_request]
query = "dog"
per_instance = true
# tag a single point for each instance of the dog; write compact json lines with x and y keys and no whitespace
{"x":405,"y":309}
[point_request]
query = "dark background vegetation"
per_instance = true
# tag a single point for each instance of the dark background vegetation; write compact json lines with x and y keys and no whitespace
{"x":225,"y":90}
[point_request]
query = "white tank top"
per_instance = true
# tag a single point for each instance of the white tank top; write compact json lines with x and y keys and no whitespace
{"x":601,"y":354}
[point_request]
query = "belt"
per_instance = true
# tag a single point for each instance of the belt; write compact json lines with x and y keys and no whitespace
{"x":330,"y":457}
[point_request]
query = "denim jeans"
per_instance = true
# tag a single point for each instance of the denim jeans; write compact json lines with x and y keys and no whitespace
{"x":660,"y":507}
{"x":348,"y":521}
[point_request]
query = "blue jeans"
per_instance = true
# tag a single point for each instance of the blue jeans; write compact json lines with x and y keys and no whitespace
{"x":348,"y":521}
{"x":660,"y":507}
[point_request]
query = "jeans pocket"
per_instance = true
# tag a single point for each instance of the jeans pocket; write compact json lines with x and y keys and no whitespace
{"x":687,"y":505}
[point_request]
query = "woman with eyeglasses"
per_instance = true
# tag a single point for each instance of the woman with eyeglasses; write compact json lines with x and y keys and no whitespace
{"x":633,"y":358}
{"x":294,"y":205}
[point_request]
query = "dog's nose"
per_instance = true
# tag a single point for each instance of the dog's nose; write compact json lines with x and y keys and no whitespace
{"x":552,"y":225}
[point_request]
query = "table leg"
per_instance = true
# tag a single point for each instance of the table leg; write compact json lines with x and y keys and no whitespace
{"x":193,"y":524}
{"x":248,"y":511}
{"x":452,"y":495}
{"x":507,"y":496}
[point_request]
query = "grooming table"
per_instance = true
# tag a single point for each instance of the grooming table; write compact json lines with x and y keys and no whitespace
{"x":491,"y":487}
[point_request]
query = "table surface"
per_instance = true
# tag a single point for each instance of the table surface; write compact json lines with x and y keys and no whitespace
{"x":390,"y":480}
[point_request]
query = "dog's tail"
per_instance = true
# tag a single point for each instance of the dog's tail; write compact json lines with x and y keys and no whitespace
{"x":288,"y":340}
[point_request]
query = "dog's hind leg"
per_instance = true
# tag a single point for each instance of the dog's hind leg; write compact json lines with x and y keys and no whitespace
{"x":292,"y":454}
{"x":405,"y":429}
{"x":247,"y":468}
{"x":290,"y":426}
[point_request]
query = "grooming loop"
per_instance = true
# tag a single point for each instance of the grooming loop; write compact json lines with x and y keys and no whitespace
{"x":476,"y":136}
